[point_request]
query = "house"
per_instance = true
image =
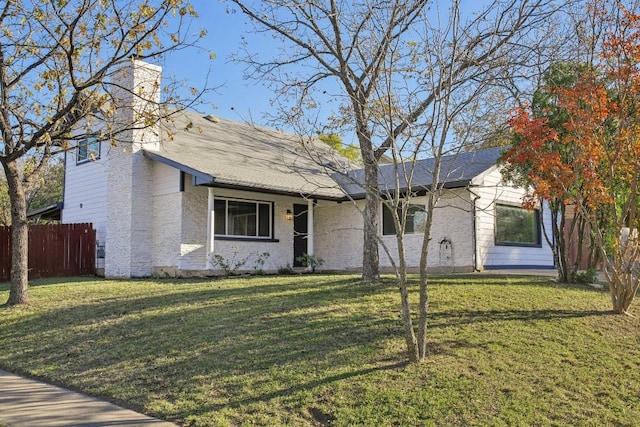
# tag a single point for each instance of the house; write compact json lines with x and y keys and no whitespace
{"x":203,"y":192}
{"x":50,"y":213}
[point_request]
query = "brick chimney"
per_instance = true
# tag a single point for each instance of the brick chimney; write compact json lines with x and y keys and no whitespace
{"x":136,"y":95}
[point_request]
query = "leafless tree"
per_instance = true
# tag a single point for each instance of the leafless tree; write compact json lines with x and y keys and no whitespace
{"x":56,"y":63}
{"x":405,"y":77}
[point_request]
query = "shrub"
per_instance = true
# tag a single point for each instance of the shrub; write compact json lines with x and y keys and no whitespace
{"x":586,"y":277}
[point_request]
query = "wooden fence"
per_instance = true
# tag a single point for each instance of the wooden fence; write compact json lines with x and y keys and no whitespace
{"x":55,"y":250}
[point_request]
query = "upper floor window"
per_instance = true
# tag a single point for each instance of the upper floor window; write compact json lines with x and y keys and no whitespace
{"x":415,"y":223}
{"x":88,"y":150}
{"x":243,"y":218}
{"x":517,"y":227}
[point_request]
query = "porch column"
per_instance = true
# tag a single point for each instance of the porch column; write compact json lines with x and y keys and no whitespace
{"x":310,"y":245}
{"x":210,"y":228}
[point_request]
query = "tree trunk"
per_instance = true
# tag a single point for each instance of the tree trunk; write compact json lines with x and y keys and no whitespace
{"x":19,"y":236}
{"x":424,"y":277}
{"x":559,"y":242}
{"x":623,"y":282}
{"x":409,"y":332}
{"x":370,"y":256}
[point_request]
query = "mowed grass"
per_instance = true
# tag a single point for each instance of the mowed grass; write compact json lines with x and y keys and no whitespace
{"x":318,"y":350}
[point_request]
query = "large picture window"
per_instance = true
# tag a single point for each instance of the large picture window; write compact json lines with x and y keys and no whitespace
{"x":242,"y":218}
{"x":415,"y":223}
{"x":88,"y":150}
{"x":517,"y":227}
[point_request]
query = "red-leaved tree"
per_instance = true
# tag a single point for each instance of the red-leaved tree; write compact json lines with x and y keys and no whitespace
{"x":601,"y":131}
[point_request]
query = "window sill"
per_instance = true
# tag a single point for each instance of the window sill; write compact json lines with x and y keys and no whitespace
{"x":85,"y":161}
{"x":519,"y":245}
{"x":245,"y":239}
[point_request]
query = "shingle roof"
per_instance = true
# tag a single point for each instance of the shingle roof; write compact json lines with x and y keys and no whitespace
{"x":225,"y":153}
{"x":457,"y":170}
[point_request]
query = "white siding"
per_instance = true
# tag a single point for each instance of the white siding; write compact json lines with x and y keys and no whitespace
{"x":85,"y":192}
{"x":166,"y":180}
{"x":492,"y":190}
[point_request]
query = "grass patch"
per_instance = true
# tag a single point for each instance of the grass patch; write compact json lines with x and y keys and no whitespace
{"x":328,"y":350}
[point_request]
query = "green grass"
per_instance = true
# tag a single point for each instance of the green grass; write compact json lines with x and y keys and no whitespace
{"x":328,"y":350}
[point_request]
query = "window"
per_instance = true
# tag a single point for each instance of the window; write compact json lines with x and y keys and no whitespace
{"x":415,"y":222}
{"x":89,"y":149}
{"x":516,"y":226}
{"x":239,"y":218}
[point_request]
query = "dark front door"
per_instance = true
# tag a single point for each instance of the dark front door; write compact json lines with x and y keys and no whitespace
{"x":300,"y":231}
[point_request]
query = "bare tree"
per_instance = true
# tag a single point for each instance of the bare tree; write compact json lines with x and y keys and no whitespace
{"x":56,"y":63}
{"x":342,"y":51}
{"x":405,"y":77}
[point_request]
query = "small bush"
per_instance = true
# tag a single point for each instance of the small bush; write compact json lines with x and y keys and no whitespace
{"x":310,"y":261}
{"x":586,"y":277}
{"x":286,"y":270}
{"x":258,"y":268}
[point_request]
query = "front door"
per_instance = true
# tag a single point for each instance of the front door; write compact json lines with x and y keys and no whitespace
{"x":300,"y":233}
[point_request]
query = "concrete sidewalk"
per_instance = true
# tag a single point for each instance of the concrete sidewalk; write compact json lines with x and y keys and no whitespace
{"x":29,"y":403}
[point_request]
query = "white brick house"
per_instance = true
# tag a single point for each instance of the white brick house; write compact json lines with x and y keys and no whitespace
{"x":170,"y":201}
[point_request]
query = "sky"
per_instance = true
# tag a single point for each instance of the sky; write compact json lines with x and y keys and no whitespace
{"x":233,"y":98}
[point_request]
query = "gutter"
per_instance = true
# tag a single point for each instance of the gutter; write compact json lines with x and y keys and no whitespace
{"x":417,"y":191}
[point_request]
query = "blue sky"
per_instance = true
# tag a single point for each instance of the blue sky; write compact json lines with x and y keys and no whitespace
{"x":234,"y":98}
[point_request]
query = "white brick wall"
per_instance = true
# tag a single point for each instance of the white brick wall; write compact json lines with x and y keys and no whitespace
{"x":339,"y":235}
{"x":166,"y":229}
{"x":453,"y":221}
{"x":129,"y":218}
{"x":193,"y":232}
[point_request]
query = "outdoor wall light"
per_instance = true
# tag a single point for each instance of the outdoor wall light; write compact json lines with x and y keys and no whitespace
{"x":288,"y":215}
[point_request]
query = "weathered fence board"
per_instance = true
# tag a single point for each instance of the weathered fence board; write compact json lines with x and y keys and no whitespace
{"x":55,"y":250}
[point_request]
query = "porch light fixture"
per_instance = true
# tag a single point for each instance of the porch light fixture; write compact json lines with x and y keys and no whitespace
{"x":289,"y":215}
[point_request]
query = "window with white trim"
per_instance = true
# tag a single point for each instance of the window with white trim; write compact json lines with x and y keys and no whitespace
{"x":88,"y":150}
{"x":243,"y":218}
{"x":516,"y":226}
{"x":415,"y":223}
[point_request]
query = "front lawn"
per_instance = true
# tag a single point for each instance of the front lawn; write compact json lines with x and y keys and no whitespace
{"x":328,"y":350}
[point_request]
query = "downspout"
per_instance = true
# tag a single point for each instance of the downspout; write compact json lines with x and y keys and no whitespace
{"x":210,"y":230}
{"x":64,"y":186}
{"x":474,"y":233}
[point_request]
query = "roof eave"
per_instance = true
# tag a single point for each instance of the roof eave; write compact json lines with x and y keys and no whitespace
{"x":206,"y":180}
{"x":419,"y":190}
{"x":199,"y":178}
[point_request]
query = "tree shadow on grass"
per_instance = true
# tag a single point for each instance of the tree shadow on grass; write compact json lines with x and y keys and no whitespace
{"x":241,"y":401}
{"x":463,"y":317}
{"x":221,"y":336}
{"x":198,"y":330}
